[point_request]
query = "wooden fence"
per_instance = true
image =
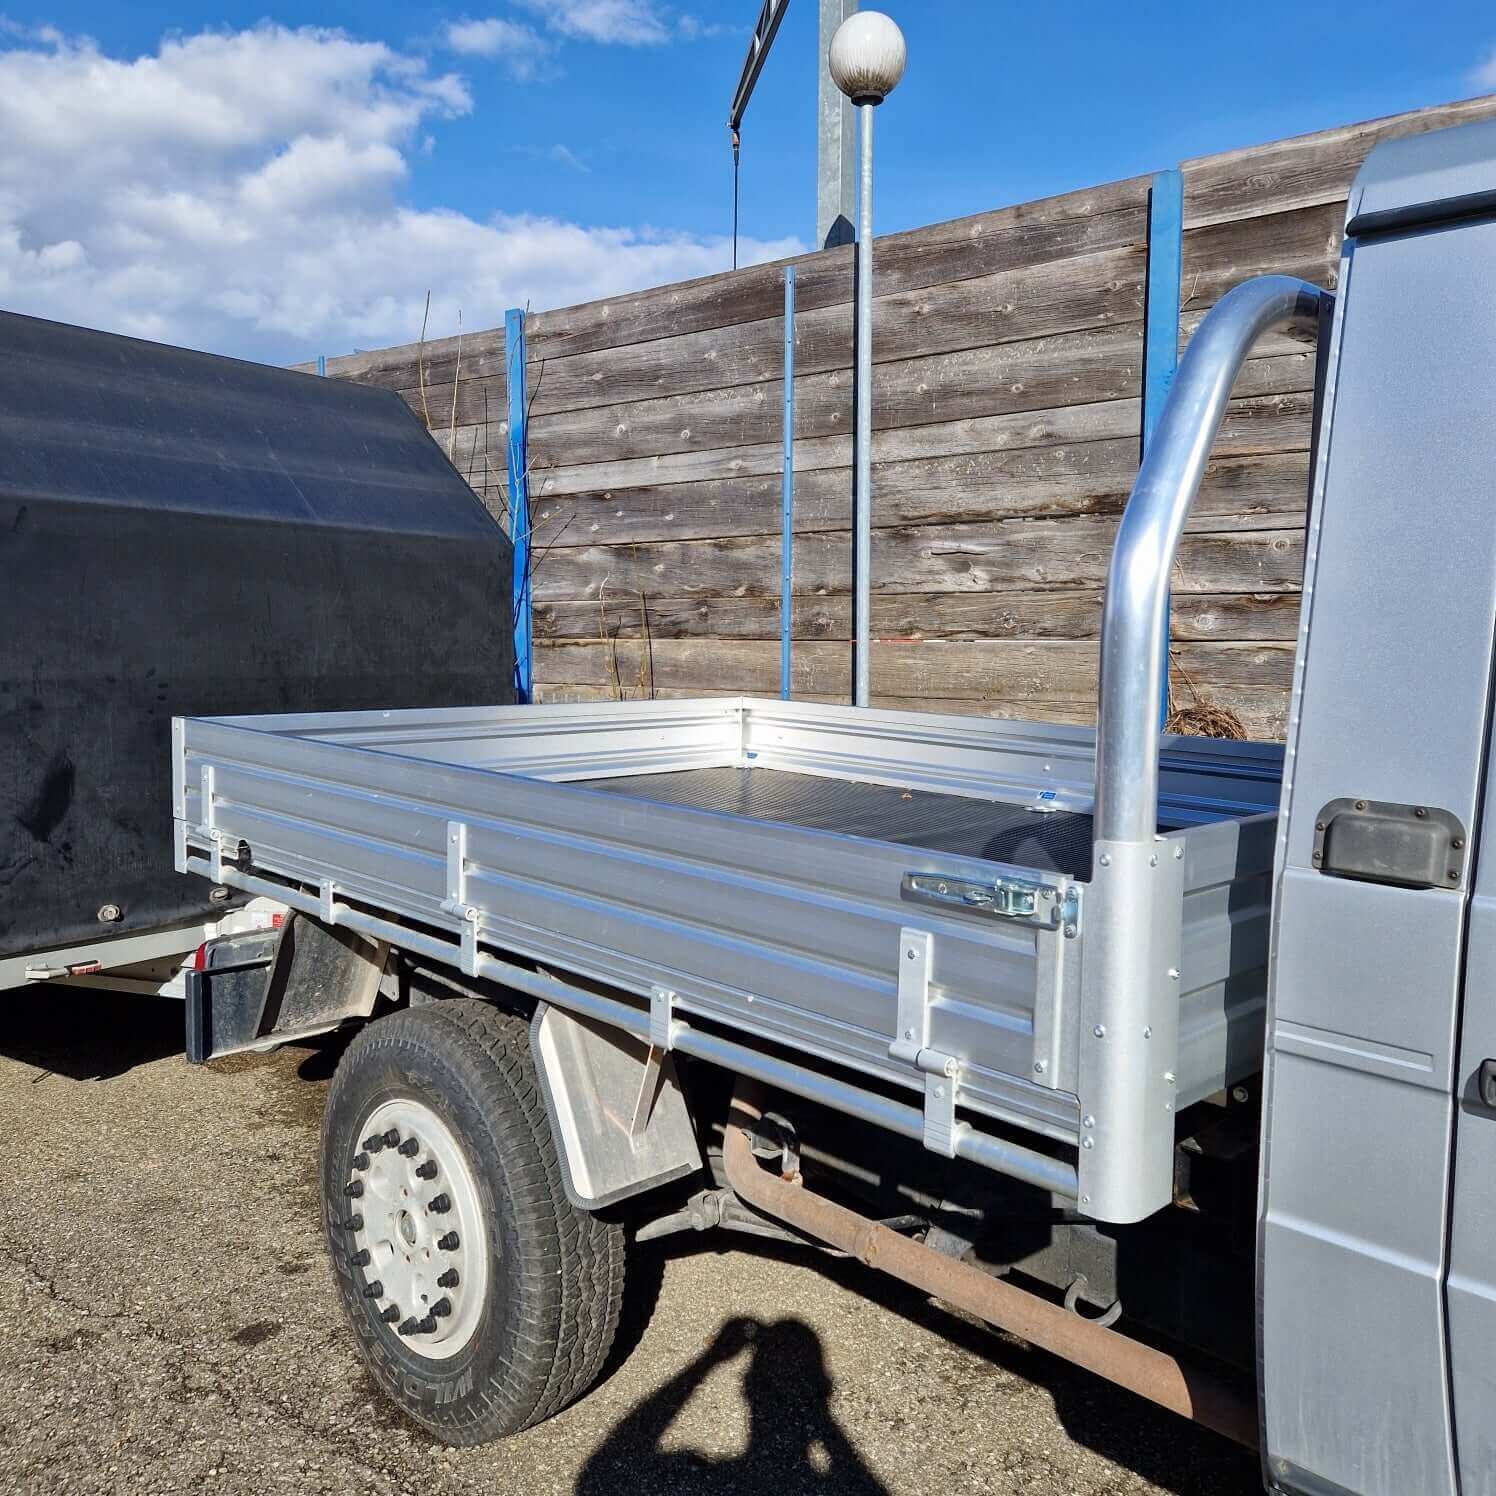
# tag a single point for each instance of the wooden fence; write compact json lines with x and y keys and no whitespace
{"x":1009,"y":354}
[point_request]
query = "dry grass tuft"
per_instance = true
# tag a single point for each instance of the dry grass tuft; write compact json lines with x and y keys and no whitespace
{"x":1201,"y":717}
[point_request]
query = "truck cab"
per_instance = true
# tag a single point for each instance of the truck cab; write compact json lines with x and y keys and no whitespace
{"x":1377,"y":1239}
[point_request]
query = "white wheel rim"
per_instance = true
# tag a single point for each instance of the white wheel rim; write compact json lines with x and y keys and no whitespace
{"x":429,"y":1263}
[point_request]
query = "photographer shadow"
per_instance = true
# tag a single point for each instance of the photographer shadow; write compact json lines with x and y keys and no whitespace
{"x":794,"y":1441}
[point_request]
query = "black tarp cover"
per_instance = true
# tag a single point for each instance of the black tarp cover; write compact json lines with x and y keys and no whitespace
{"x":185,"y":534}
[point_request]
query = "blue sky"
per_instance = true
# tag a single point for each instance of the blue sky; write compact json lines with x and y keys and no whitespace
{"x":277,"y":182}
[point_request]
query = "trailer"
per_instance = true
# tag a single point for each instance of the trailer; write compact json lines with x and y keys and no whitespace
{"x":353,"y":567}
{"x":1169,"y":1055}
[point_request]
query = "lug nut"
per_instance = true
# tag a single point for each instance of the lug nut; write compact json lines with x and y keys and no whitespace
{"x":391,"y":1314}
{"x":440,"y":1204}
{"x":354,"y":1223}
{"x":410,"y":1326}
{"x":360,"y":1161}
{"x":448,"y":1243}
{"x":410,"y":1147}
{"x":426,"y":1170}
{"x":373,"y":1143}
{"x":442,"y":1308}
{"x":427,"y":1326}
{"x":361,"y":1257}
{"x":392,"y":1137}
{"x":374,"y":1290}
{"x":448,"y":1279}
{"x":354,"y":1189}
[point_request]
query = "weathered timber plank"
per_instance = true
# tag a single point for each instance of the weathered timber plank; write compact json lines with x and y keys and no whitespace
{"x":1274,"y":423}
{"x":1085,"y":222}
{"x":929,"y":615}
{"x":1304,"y":242}
{"x":1018,"y":670}
{"x":1306,"y":169}
{"x":1263,"y":710}
{"x":1030,"y":301}
{"x":1029,"y":482}
{"x":1073,"y":224}
{"x":1037,"y":374}
{"x":1018,"y":555}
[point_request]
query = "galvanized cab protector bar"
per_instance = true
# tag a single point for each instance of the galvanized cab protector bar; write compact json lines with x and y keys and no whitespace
{"x":1130,"y":1036}
{"x":1134,"y":620}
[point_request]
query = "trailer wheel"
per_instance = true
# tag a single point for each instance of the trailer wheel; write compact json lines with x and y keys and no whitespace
{"x":483,"y":1301}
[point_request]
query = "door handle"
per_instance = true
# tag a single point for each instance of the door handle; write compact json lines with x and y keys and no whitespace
{"x":1485,"y":1082}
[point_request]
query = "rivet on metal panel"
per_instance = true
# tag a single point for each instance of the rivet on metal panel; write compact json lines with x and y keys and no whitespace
{"x":1039,"y":1067}
{"x":1173,"y":973}
{"x":1153,"y":861}
{"x":1099,"y":1031}
{"x":1169,"y":1076}
{"x":1147,"y":1033}
{"x":1088,"y":1142}
{"x":1105,"y":859}
{"x":1088,"y":1121}
{"x":1178,"y":853}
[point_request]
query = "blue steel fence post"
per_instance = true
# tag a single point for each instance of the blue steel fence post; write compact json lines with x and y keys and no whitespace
{"x":322,"y":364}
{"x":519,"y":501}
{"x":787,"y":492}
{"x":1161,"y":311}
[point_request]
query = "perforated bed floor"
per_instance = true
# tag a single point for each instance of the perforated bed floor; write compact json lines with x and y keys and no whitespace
{"x":1057,"y":842}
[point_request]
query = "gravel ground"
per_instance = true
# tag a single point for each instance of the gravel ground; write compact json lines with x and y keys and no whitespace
{"x":167,"y":1323}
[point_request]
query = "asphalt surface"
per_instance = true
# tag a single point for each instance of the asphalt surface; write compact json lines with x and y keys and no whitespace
{"x":168,"y":1323}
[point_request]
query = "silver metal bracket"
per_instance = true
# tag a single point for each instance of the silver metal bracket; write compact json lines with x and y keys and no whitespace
{"x":661,"y":1019}
{"x":470,"y":942}
{"x":456,"y":901}
{"x":911,"y":1043}
{"x":1017,"y":900}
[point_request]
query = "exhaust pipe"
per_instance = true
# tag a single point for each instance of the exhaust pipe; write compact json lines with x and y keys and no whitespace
{"x":1129,"y":1363}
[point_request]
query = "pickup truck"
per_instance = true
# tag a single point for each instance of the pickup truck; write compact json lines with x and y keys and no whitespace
{"x":1175,"y":1057}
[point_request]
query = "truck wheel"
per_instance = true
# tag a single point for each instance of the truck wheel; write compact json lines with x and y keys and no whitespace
{"x":483,"y":1301}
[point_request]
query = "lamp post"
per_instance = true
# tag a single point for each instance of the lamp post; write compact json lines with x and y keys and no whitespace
{"x":866,"y":60}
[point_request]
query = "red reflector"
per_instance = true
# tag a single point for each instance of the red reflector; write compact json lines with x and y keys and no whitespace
{"x":85,"y":968}
{"x":200,"y":957}
{"x":276,"y":921}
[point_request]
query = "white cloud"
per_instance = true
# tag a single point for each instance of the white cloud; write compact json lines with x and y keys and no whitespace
{"x":1484,"y":74}
{"x":629,"y":23}
{"x":562,"y":155}
{"x":694,"y":29}
{"x":245,"y":191}
{"x":520,"y":48}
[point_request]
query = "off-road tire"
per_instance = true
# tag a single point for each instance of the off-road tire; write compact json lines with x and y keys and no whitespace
{"x":555,"y":1275}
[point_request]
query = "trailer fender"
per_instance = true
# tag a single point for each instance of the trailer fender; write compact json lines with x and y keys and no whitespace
{"x":617,"y":1112}
{"x":304,"y":979}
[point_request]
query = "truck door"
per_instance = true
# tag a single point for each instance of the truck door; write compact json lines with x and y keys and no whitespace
{"x":1471,"y":1288}
{"x":1387,"y":756}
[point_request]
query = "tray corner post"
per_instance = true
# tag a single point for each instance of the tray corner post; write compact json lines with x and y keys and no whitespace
{"x":1129,"y":1029}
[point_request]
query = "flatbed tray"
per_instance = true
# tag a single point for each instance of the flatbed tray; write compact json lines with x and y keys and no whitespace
{"x":1056,"y":842}
{"x":765,"y":862}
